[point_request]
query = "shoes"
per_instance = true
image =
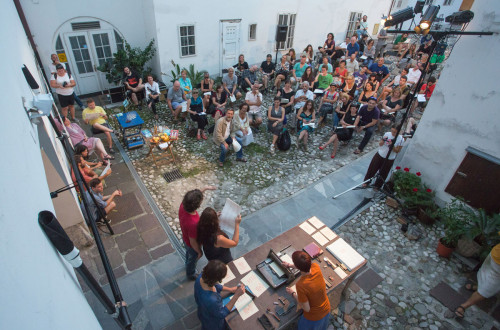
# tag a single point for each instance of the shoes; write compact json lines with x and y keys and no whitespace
{"x":332,"y":156}
{"x":321,"y":148}
{"x":203,"y":136}
{"x":305,"y":147}
{"x":192,"y":277}
{"x":357,"y":151}
{"x":198,"y":137}
{"x":111,"y":150}
{"x":243,"y":160}
{"x":108,"y":157}
{"x":271,"y":149}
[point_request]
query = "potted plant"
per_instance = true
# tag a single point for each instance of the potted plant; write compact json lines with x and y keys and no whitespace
{"x":481,"y":235}
{"x":455,"y":217}
{"x":409,"y":188}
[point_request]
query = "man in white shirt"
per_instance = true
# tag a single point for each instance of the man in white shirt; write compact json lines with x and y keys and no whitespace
{"x":352,"y":65}
{"x":53,"y":71}
{"x":379,"y":163}
{"x":63,"y":83}
{"x":413,"y":74}
{"x":303,"y":95}
{"x":254,"y":101}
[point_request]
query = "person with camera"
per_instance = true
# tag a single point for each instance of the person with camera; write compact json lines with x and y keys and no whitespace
{"x":152,"y":94}
{"x":63,"y":82}
{"x":379,"y":163}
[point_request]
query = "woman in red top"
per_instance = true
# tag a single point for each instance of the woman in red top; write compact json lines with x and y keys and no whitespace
{"x":311,"y":293}
{"x":341,"y":72}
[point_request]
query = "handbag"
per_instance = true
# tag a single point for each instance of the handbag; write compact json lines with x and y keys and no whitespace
{"x":284,"y":140}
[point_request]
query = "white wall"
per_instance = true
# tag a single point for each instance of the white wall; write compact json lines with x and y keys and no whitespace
{"x":315,"y":19}
{"x":39,"y":289}
{"x":463,"y":110}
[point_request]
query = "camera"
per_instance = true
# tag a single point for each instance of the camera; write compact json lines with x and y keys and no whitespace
{"x":64,"y":84}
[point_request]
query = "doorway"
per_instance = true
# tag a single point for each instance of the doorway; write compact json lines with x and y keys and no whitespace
{"x":230,"y":43}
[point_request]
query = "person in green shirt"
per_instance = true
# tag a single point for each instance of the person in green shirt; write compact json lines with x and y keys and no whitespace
{"x":399,"y":43}
{"x":323,"y":79}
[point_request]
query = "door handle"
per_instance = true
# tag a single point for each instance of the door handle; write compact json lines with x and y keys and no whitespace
{"x":462,"y":174}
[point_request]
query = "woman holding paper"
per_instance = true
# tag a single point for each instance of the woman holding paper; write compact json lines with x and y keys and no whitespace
{"x":311,"y":293}
{"x":215,"y":242}
{"x":211,"y":311}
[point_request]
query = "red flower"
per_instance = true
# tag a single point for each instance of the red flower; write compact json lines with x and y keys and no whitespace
{"x":418,"y":174}
{"x":398,"y":167}
{"x":415,"y":189}
{"x":407,"y":169}
{"x":428,"y":190}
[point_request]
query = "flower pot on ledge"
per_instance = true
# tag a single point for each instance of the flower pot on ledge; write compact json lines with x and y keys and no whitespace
{"x":424,"y":217}
{"x":443,"y":250}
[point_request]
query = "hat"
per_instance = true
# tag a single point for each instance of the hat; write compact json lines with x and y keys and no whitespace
{"x":59,"y":66}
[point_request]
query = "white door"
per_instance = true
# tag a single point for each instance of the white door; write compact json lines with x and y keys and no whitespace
{"x":103,"y":46}
{"x":230,"y":43}
{"x":83,"y":63}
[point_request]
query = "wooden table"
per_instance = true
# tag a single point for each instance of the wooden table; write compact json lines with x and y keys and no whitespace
{"x":166,"y":154}
{"x":298,"y":238}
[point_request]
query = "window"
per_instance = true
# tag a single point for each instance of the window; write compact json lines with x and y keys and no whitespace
{"x":102,"y":48}
{"x":428,"y":2}
{"x":351,"y":26}
{"x":81,"y":54}
{"x":252,"y":32}
{"x":119,"y":41}
{"x":60,"y":48}
{"x":447,"y":2}
{"x":400,"y":2}
{"x":289,"y":20}
{"x":186,"y":36}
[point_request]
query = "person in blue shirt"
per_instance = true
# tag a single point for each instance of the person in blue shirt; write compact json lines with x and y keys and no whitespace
{"x":380,"y":70}
{"x":352,"y":47}
{"x":207,"y":289}
{"x":185,"y":84}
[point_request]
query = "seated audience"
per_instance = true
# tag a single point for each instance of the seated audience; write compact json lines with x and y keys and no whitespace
{"x":352,"y":48}
{"x":207,"y":86}
{"x":372,"y":78}
{"x":311,"y":293}
{"x":249,"y":78}
{"x":267,"y":69}
{"x":292,"y":57}
{"x":360,"y":78}
{"x":198,"y":113}
{"x":152,"y":94}
{"x":306,"y":115}
{"x":309,"y":77}
{"x":368,"y":119}
{"x":86,"y":172}
{"x":344,"y":134}
{"x":218,"y":103}
{"x":340,"y":72}
{"x":369,"y":53}
{"x":413,"y":74}
{"x":389,"y":107}
{"x":241,"y":125}
{"x":400,"y":42}
{"x":341,"y":108}
{"x":300,"y":68}
{"x":327,"y":103}
{"x":378,"y":164}
{"x":329,"y":47}
{"x":275,"y":119}
{"x":425,"y":48}
{"x":324,"y":61}
{"x":241,"y":65}
{"x":362,"y":27}
{"x":78,"y":137}
{"x":349,"y":87}
{"x":340,"y":50}
{"x":175,"y":99}
{"x":309,"y":51}
{"x":323,"y":79}
{"x":82,"y":150}
{"x":63,"y":83}
{"x":287,"y":97}
{"x":133,"y":85}
{"x":207,"y":288}
{"x":105,"y":203}
{"x":362,"y":44}
{"x":224,"y":135}
{"x":426,"y":90}
{"x":96,"y":117}
{"x":303,"y":95}
{"x":213,"y":240}
{"x":282,"y":70}
{"x":352,"y":65}
{"x":367,"y":93}
{"x":254,"y":100}
{"x":230,"y":83}
{"x":186,"y":85}
{"x":407,"y":56}
{"x":396,"y":82}
{"x":380,"y":70}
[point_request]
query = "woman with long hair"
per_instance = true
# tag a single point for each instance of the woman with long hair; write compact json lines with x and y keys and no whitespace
{"x":340,"y":72}
{"x":367,"y":93}
{"x":305,"y":116}
{"x":309,"y":77}
{"x":215,"y":242}
{"x":310,"y":53}
{"x":275,"y":118}
{"x":219,"y":100}
{"x":282,"y":70}
{"x":292,"y":57}
{"x":329,"y":46}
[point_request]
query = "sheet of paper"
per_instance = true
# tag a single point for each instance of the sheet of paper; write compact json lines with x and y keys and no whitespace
{"x":228,"y":216}
{"x":106,"y":169}
{"x":318,"y":237}
{"x":202,"y":114}
{"x":245,"y":306}
{"x":340,"y":273}
{"x":284,"y":101}
{"x":242,"y":265}
{"x":421,"y":98}
{"x":305,"y":226}
{"x":318,"y":91}
{"x":363,"y":57}
{"x":286,"y":258}
{"x":328,"y":233}
{"x":345,"y":254}
{"x":229,"y":276}
{"x":277,"y":269}
{"x":255,"y":283}
{"x":184,"y":106}
{"x":316,"y":222}
{"x":350,"y":126}
{"x":312,"y":125}
{"x":232,"y":98}
{"x":91,"y":116}
{"x":207,"y":93}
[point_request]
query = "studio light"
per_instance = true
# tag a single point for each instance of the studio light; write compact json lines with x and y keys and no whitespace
{"x":419,"y":6}
{"x":428,"y":17}
{"x":399,"y":17}
{"x":460,"y":17}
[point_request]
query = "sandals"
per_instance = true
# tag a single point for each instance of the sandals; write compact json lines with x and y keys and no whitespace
{"x":221,"y":164}
{"x":357,"y":151}
{"x":107,"y":157}
{"x":333,"y":156}
{"x":243,"y":160}
{"x":203,"y":136}
{"x":322,"y":148}
{"x":111,"y":150}
{"x":459,"y":312}
{"x":471,"y":287}
{"x":198,"y":137}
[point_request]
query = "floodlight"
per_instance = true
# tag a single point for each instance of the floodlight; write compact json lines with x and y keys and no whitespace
{"x":399,"y":17}
{"x":460,"y":17}
{"x":428,"y":17}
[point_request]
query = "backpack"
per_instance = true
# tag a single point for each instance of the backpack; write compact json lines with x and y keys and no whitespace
{"x":55,"y":75}
{"x":284,"y":141}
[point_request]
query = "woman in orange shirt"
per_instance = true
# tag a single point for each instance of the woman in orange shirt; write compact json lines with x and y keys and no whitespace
{"x":311,"y":293}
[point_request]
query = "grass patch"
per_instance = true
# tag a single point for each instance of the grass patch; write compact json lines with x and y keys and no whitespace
{"x":255,"y":148}
{"x":191,"y":172}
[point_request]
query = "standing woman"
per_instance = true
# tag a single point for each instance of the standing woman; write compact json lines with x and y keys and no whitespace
{"x":185,"y":84}
{"x":215,"y":242}
{"x":282,"y":70}
{"x":306,"y":115}
{"x":197,"y":113}
{"x":63,"y":82}
{"x":207,"y":288}
{"x":275,"y":118}
{"x":219,"y":100}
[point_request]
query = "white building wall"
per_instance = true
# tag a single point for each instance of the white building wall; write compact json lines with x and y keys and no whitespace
{"x":315,"y":19}
{"x":39,"y":289}
{"x":463,"y":110}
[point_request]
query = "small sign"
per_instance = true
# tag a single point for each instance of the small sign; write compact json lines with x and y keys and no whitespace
{"x":62,"y":57}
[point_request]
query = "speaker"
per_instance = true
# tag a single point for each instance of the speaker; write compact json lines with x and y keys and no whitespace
{"x":29,"y":78}
{"x":281,"y":31}
{"x":419,"y":6}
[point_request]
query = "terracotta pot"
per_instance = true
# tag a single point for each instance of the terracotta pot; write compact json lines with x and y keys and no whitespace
{"x":409,"y":211}
{"x":424,"y":217}
{"x":468,"y":248}
{"x":443,"y":250}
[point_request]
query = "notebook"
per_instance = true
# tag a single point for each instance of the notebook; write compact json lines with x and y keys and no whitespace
{"x":345,"y":254}
{"x":313,"y":250}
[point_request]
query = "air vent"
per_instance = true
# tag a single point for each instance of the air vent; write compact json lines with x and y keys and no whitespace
{"x":172,"y":176}
{"x":86,"y":25}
